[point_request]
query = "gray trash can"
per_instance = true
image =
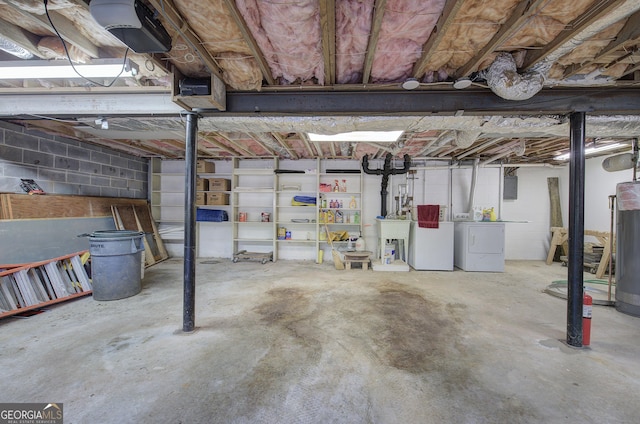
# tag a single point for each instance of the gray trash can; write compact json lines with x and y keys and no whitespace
{"x":115,"y":263}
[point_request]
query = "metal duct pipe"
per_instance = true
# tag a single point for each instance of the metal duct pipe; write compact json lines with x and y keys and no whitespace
{"x":517,"y":147}
{"x":504,"y":80}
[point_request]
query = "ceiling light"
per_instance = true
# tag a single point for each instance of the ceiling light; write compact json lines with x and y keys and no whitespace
{"x":364,"y":136}
{"x":591,"y":150}
{"x":411,"y":84}
{"x":462,"y":83}
{"x":44,"y":69}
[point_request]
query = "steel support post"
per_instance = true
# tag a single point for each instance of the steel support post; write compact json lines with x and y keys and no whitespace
{"x":576,"y":230}
{"x":191,"y":142}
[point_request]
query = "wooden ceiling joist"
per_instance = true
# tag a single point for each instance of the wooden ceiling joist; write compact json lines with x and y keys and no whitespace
{"x":251,"y":42}
{"x":237,"y":146}
{"x":479,"y":148}
{"x":598,"y":11}
{"x":328,"y":27}
{"x":627,"y":37}
{"x":378,"y":14}
{"x":521,"y":14}
{"x":171,"y":14}
{"x":448,"y":15}
{"x":64,"y":26}
{"x":307,"y":145}
{"x":210,"y":139}
{"x":180,"y":145}
{"x":284,"y":145}
{"x":20,"y":37}
{"x":266,"y":143}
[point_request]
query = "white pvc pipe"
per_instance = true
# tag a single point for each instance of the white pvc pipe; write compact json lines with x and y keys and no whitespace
{"x":500,"y":191}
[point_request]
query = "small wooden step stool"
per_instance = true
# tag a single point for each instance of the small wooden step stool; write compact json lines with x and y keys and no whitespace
{"x":357,"y":257}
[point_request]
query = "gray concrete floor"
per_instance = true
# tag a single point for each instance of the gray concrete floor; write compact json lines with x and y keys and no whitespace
{"x":295,"y":342}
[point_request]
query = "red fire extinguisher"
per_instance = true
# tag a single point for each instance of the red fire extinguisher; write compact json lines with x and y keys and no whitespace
{"x":587,"y":302}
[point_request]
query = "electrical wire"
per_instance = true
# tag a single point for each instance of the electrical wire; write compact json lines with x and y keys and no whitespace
{"x":66,"y":51}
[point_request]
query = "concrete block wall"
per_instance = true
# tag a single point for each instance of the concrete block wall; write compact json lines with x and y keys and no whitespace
{"x":63,"y":166}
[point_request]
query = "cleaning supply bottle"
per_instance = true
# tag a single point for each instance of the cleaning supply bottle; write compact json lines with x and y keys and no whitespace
{"x":356,"y":217}
{"x":330,"y":217}
{"x":492,"y":215}
{"x":352,"y":203}
{"x":360,"y":247}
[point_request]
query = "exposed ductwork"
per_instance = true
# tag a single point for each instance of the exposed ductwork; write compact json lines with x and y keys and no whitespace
{"x":504,"y":80}
{"x":14,"y":49}
{"x":465,"y":139}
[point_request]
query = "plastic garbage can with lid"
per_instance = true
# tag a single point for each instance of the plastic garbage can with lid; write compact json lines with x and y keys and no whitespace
{"x":115,"y":263}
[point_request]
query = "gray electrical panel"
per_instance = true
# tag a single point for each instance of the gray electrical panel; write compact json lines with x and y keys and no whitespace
{"x":510,"y":191}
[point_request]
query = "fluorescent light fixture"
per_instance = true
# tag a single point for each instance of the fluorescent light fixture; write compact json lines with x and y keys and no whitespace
{"x":591,"y":150}
{"x":45,"y":69}
{"x":364,"y":136}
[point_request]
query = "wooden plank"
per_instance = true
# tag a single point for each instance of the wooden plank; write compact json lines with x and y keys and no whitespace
{"x":128,"y":221}
{"x":156,"y":234}
{"x":138,"y":218}
{"x":150,"y":247}
{"x":117,"y":220}
{"x":559,"y":236}
{"x":24,"y":206}
{"x":5,"y":207}
{"x":127,"y":216}
{"x":555,"y":218}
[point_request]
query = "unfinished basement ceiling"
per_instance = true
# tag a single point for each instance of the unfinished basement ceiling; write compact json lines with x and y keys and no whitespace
{"x":509,"y":49}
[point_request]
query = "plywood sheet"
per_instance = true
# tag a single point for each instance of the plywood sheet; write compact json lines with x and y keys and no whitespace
{"x":24,"y":206}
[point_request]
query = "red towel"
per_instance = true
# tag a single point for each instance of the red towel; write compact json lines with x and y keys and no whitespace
{"x":428,"y":216}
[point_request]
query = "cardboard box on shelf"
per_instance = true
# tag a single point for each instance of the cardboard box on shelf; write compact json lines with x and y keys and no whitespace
{"x":204,"y":167}
{"x":219,"y":184}
{"x":217,"y":198}
{"x":201,"y":199}
{"x":202,"y":184}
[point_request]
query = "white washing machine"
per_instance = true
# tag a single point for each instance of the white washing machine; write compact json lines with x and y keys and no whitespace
{"x":431,"y":248}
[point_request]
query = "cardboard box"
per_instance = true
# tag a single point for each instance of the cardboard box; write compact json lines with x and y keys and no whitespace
{"x":201,"y":199}
{"x":204,"y":167}
{"x":202,"y":184}
{"x":219,"y":184}
{"x":217,"y":198}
